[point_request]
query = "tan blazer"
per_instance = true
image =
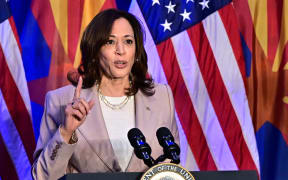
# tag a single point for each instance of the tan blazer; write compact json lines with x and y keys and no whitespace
{"x":93,"y":152}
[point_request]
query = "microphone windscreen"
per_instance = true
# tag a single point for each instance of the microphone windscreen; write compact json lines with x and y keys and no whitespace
{"x":133,"y":135}
{"x":163,"y":132}
{"x":141,"y":148}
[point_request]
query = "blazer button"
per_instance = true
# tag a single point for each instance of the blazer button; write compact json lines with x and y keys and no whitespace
{"x":54,"y":154}
{"x":57,"y":146}
{"x":52,"y":157}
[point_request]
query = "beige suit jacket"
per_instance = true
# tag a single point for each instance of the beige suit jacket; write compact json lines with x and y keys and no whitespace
{"x":93,"y":152}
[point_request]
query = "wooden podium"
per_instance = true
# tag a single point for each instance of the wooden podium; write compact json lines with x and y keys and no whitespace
{"x":198,"y":175}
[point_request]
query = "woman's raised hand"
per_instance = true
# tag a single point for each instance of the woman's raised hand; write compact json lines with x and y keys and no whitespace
{"x":75,"y":112}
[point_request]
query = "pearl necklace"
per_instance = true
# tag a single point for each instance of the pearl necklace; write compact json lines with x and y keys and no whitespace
{"x":113,"y":106}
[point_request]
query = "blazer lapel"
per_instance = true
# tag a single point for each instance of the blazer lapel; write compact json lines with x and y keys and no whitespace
{"x":143,"y":112}
{"x":95,"y":132}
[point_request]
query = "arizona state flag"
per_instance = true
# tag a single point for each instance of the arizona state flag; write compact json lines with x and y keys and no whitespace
{"x":264,"y":32}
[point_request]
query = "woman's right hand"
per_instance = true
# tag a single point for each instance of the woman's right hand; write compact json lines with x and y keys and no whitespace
{"x":75,"y":112}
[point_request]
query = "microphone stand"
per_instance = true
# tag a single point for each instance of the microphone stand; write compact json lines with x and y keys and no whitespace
{"x":160,"y":159}
{"x":175,"y":159}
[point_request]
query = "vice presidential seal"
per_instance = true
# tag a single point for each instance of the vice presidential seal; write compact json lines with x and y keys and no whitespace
{"x":167,"y":171}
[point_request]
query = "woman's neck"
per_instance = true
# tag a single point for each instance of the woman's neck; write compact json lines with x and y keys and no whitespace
{"x":114,"y":87}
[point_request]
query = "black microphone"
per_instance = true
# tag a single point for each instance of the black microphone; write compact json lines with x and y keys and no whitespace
{"x":141,"y":148}
{"x":170,"y":148}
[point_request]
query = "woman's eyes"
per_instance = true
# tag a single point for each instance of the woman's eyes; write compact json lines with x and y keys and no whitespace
{"x":112,"y":42}
{"x":129,"y":41}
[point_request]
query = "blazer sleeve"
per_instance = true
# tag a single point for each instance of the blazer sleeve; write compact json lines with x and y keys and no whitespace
{"x":52,"y":154}
{"x":173,"y":125}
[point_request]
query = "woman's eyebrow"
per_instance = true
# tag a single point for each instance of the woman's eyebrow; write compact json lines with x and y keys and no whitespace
{"x":127,"y":35}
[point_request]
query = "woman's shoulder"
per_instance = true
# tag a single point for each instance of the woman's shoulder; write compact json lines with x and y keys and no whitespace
{"x":162,"y":98}
{"x":62,"y":91}
{"x":161,"y":91}
{"x":66,"y":93}
{"x":161,"y":88}
{"x":61,"y":95}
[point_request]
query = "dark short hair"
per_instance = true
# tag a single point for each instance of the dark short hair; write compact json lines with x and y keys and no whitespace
{"x":96,"y":35}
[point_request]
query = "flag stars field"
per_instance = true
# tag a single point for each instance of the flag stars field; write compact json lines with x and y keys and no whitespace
{"x":186,"y":15}
{"x":204,"y":4}
{"x":189,"y":1}
{"x":155,"y":2}
{"x":166,"y":25}
{"x":170,"y":7}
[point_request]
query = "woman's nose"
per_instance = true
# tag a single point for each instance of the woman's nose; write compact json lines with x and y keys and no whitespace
{"x":120,"y":49}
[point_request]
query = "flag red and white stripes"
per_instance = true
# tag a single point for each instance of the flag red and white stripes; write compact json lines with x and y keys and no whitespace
{"x":204,"y":68}
{"x":17,"y":135}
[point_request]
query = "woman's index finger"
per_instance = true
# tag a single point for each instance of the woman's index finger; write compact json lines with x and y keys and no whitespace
{"x":78,"y":88}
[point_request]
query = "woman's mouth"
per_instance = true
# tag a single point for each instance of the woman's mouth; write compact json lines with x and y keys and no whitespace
{"x":120,"y":64}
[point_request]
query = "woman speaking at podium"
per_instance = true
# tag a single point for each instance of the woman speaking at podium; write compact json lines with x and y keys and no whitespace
{"x":84,"y":126}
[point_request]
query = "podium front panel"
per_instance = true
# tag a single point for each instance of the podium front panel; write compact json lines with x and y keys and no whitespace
{"x":198,"y":175}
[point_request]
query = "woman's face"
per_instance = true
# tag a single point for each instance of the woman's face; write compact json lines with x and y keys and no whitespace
{"x":117,"y":55}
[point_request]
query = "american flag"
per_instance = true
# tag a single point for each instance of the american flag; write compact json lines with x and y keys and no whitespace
{"x":192,"y":45}
{"x":17,"y":140}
